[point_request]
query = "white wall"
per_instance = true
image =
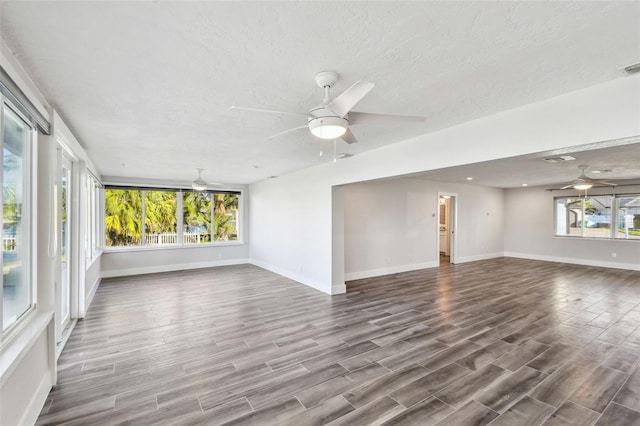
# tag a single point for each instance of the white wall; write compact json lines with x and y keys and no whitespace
{"x":92,"y":279}
{"x":529,"y":232}
{"x":290,"y":219}
{"x":131,"y":262}
{"x":291,"y":216}
{"x":392,"y":225}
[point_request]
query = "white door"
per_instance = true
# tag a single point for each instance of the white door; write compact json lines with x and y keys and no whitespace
{"x":65,"y":242}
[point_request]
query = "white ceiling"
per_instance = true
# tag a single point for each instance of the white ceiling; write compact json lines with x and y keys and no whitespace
{"x":611,"y":161}
{"x":146,"y":86}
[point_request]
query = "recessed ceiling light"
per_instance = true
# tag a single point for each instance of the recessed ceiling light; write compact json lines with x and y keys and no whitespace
{"x":469,"y":178}
{"x":596,"y":172}
{"x":525,"y":184}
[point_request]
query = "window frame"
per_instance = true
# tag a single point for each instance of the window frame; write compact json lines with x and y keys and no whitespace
{"x":613,"y":230}
{"x":94,"y":235}
{"x":180,"y":191}
{"x":31,"y":222}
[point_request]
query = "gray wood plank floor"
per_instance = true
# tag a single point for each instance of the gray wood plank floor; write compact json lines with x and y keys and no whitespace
{"x":503,"y":341}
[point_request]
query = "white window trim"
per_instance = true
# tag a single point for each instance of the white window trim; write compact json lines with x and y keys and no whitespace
{"x":614,"y":218}
{"x":27,"y":317}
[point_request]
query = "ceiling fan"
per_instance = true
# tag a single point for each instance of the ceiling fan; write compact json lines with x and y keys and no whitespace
{"x":583,"y":182}
{"x":332,"y":118}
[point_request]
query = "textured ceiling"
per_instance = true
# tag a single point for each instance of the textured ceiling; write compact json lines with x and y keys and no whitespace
{"x":146,"y":86}
{"x":619,"y":163}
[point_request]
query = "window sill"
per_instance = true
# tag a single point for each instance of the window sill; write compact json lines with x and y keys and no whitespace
{"x":171,"y":247}
{"x":577,"y":237}
{"x":16,"y":347}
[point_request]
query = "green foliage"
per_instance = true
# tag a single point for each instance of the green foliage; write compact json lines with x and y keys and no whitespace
{"x":197,"y":213}
{"x":160,"y":211}
{"x":225,"y":213}
{"x":123,"y":219}
{"x":10,"y":207}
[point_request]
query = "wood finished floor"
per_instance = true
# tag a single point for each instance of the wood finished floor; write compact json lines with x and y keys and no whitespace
{"x":503,"y":341}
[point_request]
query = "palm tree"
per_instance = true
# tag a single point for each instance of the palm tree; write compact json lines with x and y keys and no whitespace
{"x":160,"y":212}
{"x":225,"y":214}
{"x":123,"y":222}
{"x":197,"y":213}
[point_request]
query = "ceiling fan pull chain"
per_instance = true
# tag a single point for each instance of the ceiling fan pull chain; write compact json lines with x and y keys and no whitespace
{"x":335,"y":158}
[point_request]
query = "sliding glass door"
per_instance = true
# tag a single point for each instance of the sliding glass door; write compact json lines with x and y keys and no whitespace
{"x":65,"y":242}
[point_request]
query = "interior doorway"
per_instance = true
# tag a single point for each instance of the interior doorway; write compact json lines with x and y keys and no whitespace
{"x":446,"y":227}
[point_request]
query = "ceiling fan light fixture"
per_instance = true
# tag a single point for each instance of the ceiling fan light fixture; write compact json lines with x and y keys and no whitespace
{"x":199,"y":184}
{"x":328,"y":127}
{"x":582,"y":186}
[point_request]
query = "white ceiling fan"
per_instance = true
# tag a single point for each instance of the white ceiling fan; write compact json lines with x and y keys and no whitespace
{"x":332,"y":118}
{"x":583,"y":182}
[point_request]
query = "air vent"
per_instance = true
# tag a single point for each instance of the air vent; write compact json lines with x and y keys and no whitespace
{"x":632,"y":69}
{"x":559,"y":159}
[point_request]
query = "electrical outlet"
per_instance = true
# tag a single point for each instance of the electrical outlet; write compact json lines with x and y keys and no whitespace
{"x":614,"y":255}
{"x":219,"y":255}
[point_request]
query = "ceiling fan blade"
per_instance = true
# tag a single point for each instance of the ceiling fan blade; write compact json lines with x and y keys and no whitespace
{"x":350,"y":97}
{"x":348,"y":137}
{"x":602,"y":182}
{"x":286,"y":131}
{"x":567,"y":186}
{"x":371,"y":118}
{"x":270,"y":111}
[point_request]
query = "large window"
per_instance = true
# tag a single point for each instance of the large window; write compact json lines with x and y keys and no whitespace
{"x":171,"y":217}
{"x":17,"y":291}
{"x":598,"y":216}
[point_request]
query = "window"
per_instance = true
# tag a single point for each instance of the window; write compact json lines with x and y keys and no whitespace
{"x":17,"y":290}
{"x":197,"y":211}
{"x":93,"y":244}
{"x":628,"y":218}
{"x":225,"y":211}
{"x":123,"y":217}
{"x":595,"y":216}
{"x":171,"y":217}
{"x":160,"y":218}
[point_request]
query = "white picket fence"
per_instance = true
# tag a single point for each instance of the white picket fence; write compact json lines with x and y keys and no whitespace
{"x":9,"y":243}
{"x":172,"y":238}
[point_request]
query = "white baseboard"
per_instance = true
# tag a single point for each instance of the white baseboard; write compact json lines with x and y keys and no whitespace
{"x":168,"y":268}
{"x":89,"y":297}
{"x":338,"y":289}
{"x":478,"y":257}
{"x":37,"y":401}
{"x":586,"y":262}
{"x":350,"y":276}
{"x":291,"y":275}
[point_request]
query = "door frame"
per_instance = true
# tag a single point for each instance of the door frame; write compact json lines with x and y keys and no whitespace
{"x":63,"y":330}
{"x":453,"y":225}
